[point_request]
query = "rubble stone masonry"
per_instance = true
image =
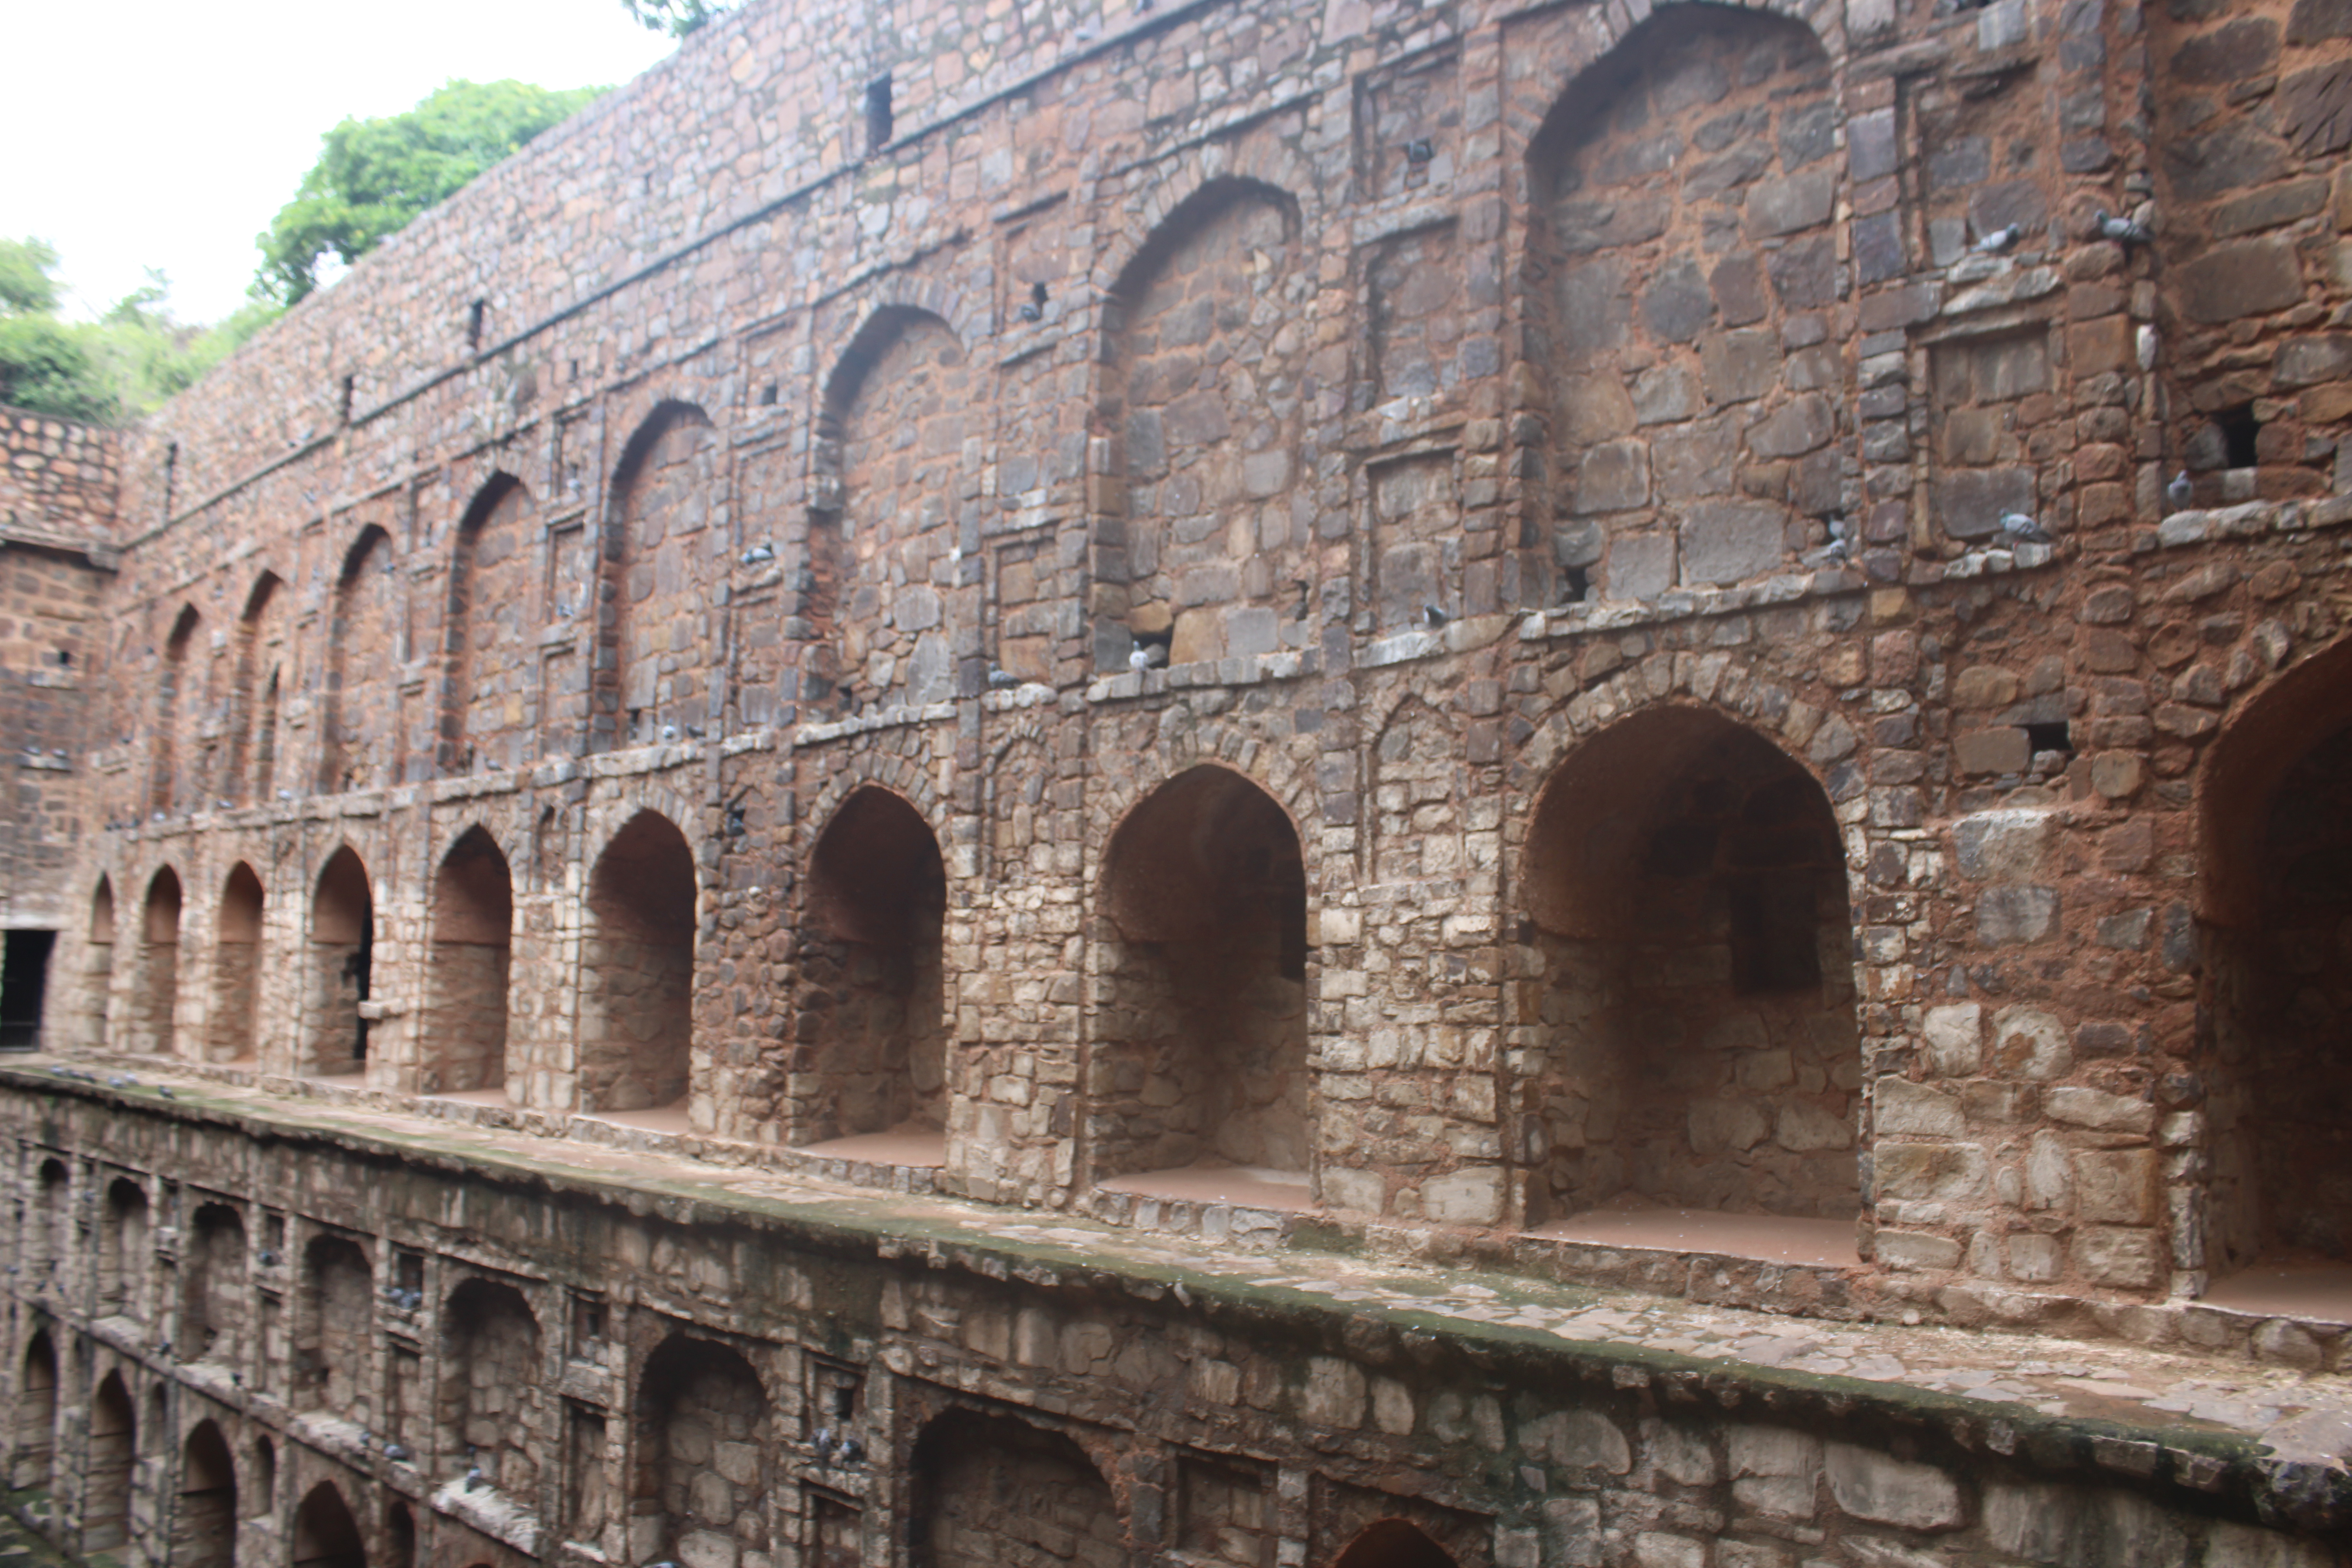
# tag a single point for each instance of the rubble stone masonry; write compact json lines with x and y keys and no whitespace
{"x":1274,"y":786}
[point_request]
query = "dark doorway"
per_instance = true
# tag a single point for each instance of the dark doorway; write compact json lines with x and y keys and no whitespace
{"x":24,"y":979}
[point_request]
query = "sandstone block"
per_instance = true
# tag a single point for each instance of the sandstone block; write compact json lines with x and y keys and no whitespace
{"x":2244,"y":278}
{"x":1726,"y":542}
{"x":1887,"y":1490}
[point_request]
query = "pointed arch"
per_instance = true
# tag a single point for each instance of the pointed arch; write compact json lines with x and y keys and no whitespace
{"x":213,"y":1296}
{"x":1392,"y":1543}
{"x":1202,"y":902}
{"x":483,"y":637}
{"x":492,"y":1405}
{"x":124,"y":1257}
{"x":359,"y":743}
{"x":326,"y":1535}
{"x":236,"y":966}
{"x":106,"y":1479}
{"x":636,"y":1027}
{"x":694,"y":1395}
{"x":36,"y":1423}
{"x":965,"y":1464}
{"x":660,"y":488}
{"x":264,"y":1490}
{"x":252,"y":713}
{"x":98,"y":965}
{"x":473,"y":933}
{"x":155,"y":1001}
{"x":342,"y":960}
{"x":203,"y":1526}
{"x":1685,"y":883}
{"x":175,"y":695}
{"x":870,"y":982}
{"x":333,"y":1323}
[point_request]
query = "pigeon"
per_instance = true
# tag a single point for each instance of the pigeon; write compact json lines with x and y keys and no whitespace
{"x":1432,"y":616}
{"x":2122,"y":230}
{"x":162,"y":1347}
{"x":669,"y":732}
{"x":1140,"y":659}
{"x":165,"y":1090}
{"x":823,"y":1444}
{"x":474,"y":1478}
{"x":851,"y":1450}
{"x":2180,"y":492}
{"x":397,"y":1453}
{"x":1030,"y":311}
{"x":2023,"y":528}
{"x":265,"y":1257}
{"x":286,"y":795}
{"x":2001,"y":239}
{"x":1000,"y":679}
{"x":118,"y":1081}
{"x":760,"y":555}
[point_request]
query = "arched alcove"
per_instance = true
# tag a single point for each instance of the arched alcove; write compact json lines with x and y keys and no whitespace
{"x":325,"y":1533}
{"x":487,"y":649}
{"x":2274,"y":816}
{"x":203,"y":1527}
{"x":253,"y":706}
{"x":53,"y":1217}
{"x":334,"y":1324}
{"x":155,"y":996}
{"x":490,"y":1405}
{"x":359,"y":730}
{"x":35,"y":1424}
{"x":264,"y":1490}
{"x":98,"y":968}
{"x":1206,"y":385}
{"x":473,"y":925}
{"x":106,"y":1479}
{"x":1686,"y":887}
{"x":636,"y":1004}
{"x":212,"y":1294}
{"x":175,"y":695}
{"x":399,"y":1535}
{"x":123,"y":1255}
{"x":990,"y":1490}
{"x":1203,"y":1059}
{"x":1683,"y":245}
{"x":342,"y":960}
{"x":870,"y":1049}
{"x":649,"y":621}
{"x":237,"y":967}
{"x":1392,"y":1543}
{"x":696,"y":1399}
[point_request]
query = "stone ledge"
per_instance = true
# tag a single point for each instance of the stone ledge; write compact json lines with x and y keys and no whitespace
{"x":894,"y":717}
{"x":2252,"y":519}
{"x":1250,"y":669}
{"x":1685,"y":604}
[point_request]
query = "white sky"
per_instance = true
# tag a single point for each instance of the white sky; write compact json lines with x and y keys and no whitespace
{"x":161,"y":133}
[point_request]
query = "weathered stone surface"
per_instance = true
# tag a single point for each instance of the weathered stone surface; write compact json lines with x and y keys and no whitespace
{"x":2245,"y":278}
{"x":1728,"y":541}
{"x":1870,"y":1485}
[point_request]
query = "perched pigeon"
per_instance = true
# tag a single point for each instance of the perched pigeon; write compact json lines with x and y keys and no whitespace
{"x":1140,"y":659}
{"x":265,"y":1257}
{"x":852,"y":1451}
{"x":1031,"y":311}
{"x":1432,"y":616}
{"x":760,"y":555}
{"x":1002,"y":679}
{"x":2001,"y":239}
{"x":2023,"y":528}
{"x":397,"y":1453}
{"x":2122,"y":230}
{"x":474,"y":1479}
{"x":669,"y":732}
{"x":2180,"y":492}
{"x":165,"y":1090}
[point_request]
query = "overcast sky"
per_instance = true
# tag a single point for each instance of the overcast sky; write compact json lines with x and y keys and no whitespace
{"x":143,"y":133}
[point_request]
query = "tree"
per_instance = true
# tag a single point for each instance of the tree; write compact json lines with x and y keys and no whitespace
{"x":676,"y":17}
{"x":373,"y":176}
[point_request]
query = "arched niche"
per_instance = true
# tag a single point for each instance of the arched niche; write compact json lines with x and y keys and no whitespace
{"x":1203,"y":1062}
{"x":637,"y":1028}
{"x":213,"y":1303}
{"x":343,"y":962}
{"x":492,"y":1405}
{"x":1685,"y":885}
{"x":124,"y":1258}
{"x":98,"y":966}
{"x":651,"y":614}
{"x":870,"y":1048}
{"x":203,"y":1526}
{"x":175,"y":697}
{"x":113,"y":1452}
{"x":966,"y":1466}
{"x":252,"y":772}
{"x":35,"y":1422}
{"x":332,"y":1330}
{"x":359,"y":744}
{"x":487,"y":646}
{"x":237,"y":967}
{"x":325,"y":1533}
{"x":470,"y":977}
{"x":155,"y":993}
{"x":696,"y":1399}
{"x":1392,"y":1543}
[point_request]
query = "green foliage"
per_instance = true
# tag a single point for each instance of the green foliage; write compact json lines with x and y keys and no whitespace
{"x":373,"y":176}
{"x":676,"y":17}
{"x":119,"y":367}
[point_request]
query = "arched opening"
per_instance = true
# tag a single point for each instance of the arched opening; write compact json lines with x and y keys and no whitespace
{"x":53,"y":1217}
{"x":1392,"y":1543}
{"x":486,"y":649}
{"x":343,"y":958}
{"x":646,"y":629}
{"x":703,"y":1456}
{"x":325,"y":1533}
{"x":1687,"y":890}
{"x":174,"y":692}
{"x":2274,"y":802}
{"x":473,"y":923}
{"x":203,"y":1528}
{"x":491,"y":1378}
{"x":1207,"y":386}
{"x":36,"y":1415}
{"x":896,"y":414}
{"x":253,"y":723}
{"x":399,"y":1536}
{"x":106,"y":1480}
{"x":637,"y":1005}
{"x":359,"y":728}
{"x":155,"y":1002}
{"x":98,"y":968}
{"x":992,"y":1490}
{"x":1683,"y":225}
{"x":123,"y":1259}
{"x":1203,"y":892}
{"x":331,"y":1353}
{"x":870,"y":1056}
{"x":237,"y":967}
{"x":264,"y":1476}
{"x":212,"y":1299}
